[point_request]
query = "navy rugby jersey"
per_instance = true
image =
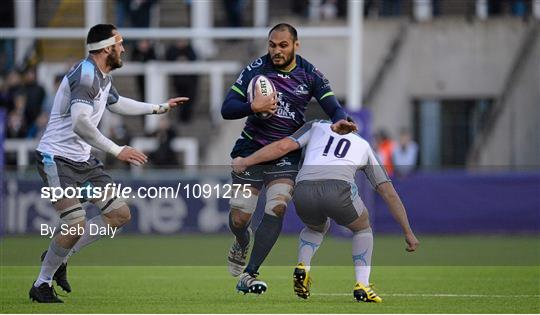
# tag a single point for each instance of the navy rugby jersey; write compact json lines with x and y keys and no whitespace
{"x":294,"y":91}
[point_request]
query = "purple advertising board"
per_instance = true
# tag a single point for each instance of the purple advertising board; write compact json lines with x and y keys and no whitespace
{"x":443,"y":202}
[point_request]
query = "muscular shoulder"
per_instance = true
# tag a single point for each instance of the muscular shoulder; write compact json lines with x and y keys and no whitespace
{"x":304,"y":63}
{"x":313,"y":74}
{"x":255,"y":67}
{"x":83,"y":75}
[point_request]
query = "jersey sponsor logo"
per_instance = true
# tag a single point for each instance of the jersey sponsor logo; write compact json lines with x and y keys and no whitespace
{"x":284,"y":76}
{"x":284,"y":108}
{"x":302,"y":89}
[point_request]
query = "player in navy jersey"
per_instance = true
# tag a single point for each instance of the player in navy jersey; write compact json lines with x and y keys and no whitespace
{"x":296,"y":81}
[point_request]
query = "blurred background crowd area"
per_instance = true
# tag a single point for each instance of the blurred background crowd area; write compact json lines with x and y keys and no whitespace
{"x":447,"y":83}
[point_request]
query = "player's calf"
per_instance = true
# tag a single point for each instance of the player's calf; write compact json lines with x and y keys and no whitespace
{"x":241,"y":210}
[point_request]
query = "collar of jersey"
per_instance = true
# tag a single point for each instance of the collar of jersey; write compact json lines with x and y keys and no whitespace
{"x":287,"y":72}
{"x":103,"y":74}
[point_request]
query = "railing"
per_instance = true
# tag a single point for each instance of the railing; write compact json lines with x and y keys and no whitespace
{"x":201,"y":32}
{"x":22,"y":147}
{"x":188,"y":146}
{"x":156,"y":74}
{"x":518,"y":64}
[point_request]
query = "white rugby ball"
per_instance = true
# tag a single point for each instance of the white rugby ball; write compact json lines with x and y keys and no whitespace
{"x":265,"y":86}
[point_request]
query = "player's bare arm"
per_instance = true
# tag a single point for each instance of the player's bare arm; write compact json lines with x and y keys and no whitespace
{"x":343,"y":127}
{"x":270,"y":152}
{"x":132,"y":156}
{"x":171,"y":103}
{"x":390,"y":196}
{"x":177,"y":101}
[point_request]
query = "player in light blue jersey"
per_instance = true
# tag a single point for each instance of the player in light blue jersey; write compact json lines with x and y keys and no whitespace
{"x":325,"y":188}
{"x":64,"y":158}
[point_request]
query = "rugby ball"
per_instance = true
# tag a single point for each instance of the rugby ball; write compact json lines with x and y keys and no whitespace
{"x":265,"y":86}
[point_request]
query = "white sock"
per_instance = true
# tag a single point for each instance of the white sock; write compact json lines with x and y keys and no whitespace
{"x":87,"y":239}
{"x":310,"y":240}
{"x":53,"y":259}
{"x":362,"y":248}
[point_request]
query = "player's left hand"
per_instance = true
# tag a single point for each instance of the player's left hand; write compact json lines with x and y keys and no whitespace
{"x":343,"y":127}
{"x":177,"y":101}
{"x":412,"y":242}
{"x":238,"y":165}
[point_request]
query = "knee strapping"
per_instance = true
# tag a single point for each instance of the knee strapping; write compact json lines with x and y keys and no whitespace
{"x":73,"y":214}
{"x":247,"y":205}
{"x":277,"y":195}
{"x":110,"y":204}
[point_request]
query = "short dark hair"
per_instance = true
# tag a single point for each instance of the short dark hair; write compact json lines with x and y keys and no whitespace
{"x":98,"y":33}
{"x":285,"y":27}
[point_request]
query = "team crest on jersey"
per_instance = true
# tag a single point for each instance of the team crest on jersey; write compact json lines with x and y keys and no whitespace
{"x":255,"y":64}
{"x":302,"y":89}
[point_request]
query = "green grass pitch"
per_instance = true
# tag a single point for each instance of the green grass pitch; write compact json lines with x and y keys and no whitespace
{"x":187,"y":274}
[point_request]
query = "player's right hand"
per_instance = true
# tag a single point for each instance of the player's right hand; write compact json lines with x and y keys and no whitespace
{"x":343,"y":127}
{"x":263,"y":103}
{"x":412,"y":242}
{"x":133,"y":156}
{"x":237,"y":165}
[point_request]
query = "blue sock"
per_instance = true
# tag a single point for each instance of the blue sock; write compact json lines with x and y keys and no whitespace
{"x":265,"y":238}
{"x":242,"y":234}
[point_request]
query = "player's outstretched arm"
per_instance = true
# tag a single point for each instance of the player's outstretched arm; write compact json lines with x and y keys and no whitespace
{"x":390,"y":196}
{"x":174,"y":102}
{"x":332,"y":108}
{"x":80,"y":115}
{"x":130,"y":107}
{"x":268,"y":153}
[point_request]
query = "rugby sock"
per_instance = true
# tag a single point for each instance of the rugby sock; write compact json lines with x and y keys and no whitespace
{"x":87,"y":239}
{"x":53,"y":259}
{"x":265,"y":238}
{"x":310,"y":240}
{"x":241,"y":233}
{"x":362,"y":247}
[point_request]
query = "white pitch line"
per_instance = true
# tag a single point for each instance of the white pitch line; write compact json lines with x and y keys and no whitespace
{"x":439,"y":295}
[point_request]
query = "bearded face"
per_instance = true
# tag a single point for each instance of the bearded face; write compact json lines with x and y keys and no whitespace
{"x":114,"y":59}
{"x":282,"y":49}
